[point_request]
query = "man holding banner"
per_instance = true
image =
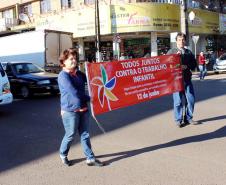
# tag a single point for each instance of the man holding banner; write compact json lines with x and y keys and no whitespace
{"x":188,"y":63}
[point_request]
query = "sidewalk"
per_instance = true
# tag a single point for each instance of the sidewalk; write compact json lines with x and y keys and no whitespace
{"x":142,"y":146}
{"x":195,"y":74}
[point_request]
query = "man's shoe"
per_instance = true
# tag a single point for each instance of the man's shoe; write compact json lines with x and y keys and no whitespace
{"x":179,"y":124}
{"x":192,"y":122}
{"x":65,"y":161}
{"x":94,"y":162}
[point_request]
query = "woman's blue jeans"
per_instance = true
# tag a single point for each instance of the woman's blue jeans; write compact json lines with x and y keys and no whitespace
{"x":186,"y":97}
{"x":72,"y":122}
{"x":202,"y":69}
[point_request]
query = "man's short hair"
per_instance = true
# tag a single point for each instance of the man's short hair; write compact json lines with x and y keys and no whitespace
{"x":181,"y":35}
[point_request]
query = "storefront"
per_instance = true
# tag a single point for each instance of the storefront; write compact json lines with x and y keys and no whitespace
{"x":154,"y":25}
{"x":131,"y":47}
{"x":137,"y":23}
{"x":163,"y":44}
{"x":106,"y":50}
{"x":137,"y":48}
{"x":216,"y":43}
{"x":140,"y":47}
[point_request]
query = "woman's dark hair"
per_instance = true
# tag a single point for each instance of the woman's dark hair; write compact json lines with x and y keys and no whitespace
{"x":65,"y":54}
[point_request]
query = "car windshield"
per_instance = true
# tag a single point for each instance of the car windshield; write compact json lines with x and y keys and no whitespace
{"x":222,"y":57}
{"x":25,"y":68}
{"x":2,"y":70}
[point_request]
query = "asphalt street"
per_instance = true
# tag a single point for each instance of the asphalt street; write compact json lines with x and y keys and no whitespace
{"x":141,"y":146}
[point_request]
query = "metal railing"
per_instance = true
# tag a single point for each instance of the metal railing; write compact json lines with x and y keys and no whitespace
{"x":6,"y":23}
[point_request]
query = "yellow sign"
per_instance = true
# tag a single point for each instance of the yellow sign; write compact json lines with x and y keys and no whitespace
{"x":205,"y":22}
{"x":132,"y":17}
{"x":135,"y":17}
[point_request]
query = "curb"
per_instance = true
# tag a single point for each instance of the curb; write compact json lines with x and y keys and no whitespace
{"x":208,"y":73}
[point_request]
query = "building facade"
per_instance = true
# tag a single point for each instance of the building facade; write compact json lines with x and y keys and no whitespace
{"x":133,"y":28}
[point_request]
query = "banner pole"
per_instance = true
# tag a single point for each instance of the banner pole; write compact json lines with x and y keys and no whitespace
{"x":91,"y":104}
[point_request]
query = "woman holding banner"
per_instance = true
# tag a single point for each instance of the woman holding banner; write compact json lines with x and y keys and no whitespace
{"x":74,"y":110}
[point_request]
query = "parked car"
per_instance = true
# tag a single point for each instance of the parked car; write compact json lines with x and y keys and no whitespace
{"x":5,"y":93}
{"x":27,"y":79}
{"x":220,"y":64}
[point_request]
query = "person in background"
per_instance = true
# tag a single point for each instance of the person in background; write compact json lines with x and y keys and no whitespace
{"x":131,"y":54}
{"x":147,"y":55}
{"x":188,"y":63}
{"x":74,"y":110}
{"x":213,"y":57}
{"x":123,"y":57}
{"x":220,"y":52}
{"x":202,"y":65}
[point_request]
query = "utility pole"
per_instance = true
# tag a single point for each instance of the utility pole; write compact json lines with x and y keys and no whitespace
{"x":97,"y":31}
{"x":184,"y":20}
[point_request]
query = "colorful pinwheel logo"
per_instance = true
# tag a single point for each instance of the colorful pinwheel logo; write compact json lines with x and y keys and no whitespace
{"x":104,"y":87}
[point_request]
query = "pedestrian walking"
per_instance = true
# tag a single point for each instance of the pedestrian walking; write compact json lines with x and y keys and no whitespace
{"x":183,"y":114}
{"x":202,"y":65}
{"x":74,"y":111}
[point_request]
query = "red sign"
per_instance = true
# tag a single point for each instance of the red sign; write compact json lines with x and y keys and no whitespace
{"x":118,"y":84}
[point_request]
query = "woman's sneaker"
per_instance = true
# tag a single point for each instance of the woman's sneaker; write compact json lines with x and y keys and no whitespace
{"x":94,"y":162}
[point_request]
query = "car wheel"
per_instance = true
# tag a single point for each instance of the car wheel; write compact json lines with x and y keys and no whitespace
{"x":25,"y":92}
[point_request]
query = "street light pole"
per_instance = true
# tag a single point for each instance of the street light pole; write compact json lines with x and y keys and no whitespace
{"x":184,"y":21}
{"x":97,"y":31}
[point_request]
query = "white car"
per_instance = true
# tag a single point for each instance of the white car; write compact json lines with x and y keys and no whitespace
{"x":220,"y":65}
{"x":6,"y":96}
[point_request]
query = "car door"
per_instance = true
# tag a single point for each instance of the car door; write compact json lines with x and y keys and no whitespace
{"x":223,"y":60}
{"x":5,"y":93}
{"x":2,"y":74}
{"x":14,"y":82}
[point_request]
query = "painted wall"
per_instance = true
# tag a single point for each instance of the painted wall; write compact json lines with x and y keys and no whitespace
{"x":125,"y":18}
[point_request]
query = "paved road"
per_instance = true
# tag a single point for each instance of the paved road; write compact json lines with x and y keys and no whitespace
{"x":142,"y":146}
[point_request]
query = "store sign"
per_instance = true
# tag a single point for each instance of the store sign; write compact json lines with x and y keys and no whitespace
{"x":114,"y":85}
{"x":135,"y":17}
{"x":204,"y":22}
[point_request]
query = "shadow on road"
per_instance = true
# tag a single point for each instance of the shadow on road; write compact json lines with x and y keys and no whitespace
{"x":198,"y":138}
{"x":203,"y":121}
{"x":32,"y":129}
